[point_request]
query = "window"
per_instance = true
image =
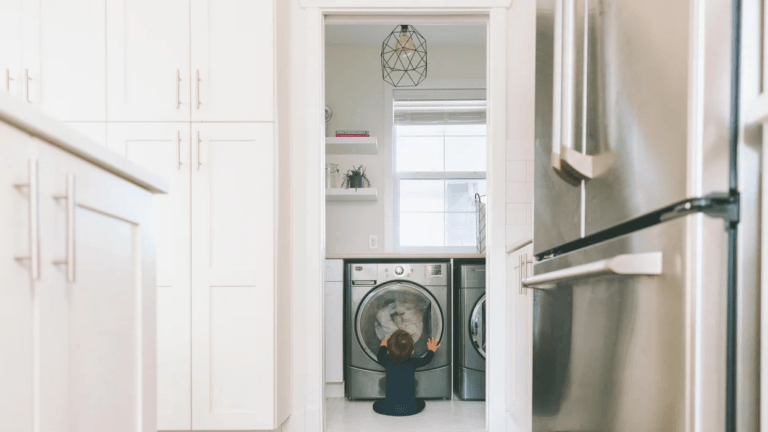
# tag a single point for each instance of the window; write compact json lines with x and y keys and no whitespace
{"x":440,"y":160}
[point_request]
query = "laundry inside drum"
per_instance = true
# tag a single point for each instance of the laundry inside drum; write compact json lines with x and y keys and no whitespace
{"x":397,"y":309}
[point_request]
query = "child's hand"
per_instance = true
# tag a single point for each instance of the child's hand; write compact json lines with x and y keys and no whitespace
{"x":432,"y":345}
{"x":384,"y":342}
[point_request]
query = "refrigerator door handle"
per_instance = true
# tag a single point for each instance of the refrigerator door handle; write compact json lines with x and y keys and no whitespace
{"x":563,"y":86}
{"x":642,"y":264}
{"x":584,"y":167}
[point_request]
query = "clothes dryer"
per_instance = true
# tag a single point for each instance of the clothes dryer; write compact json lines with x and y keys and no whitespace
{"x":469,"y":381}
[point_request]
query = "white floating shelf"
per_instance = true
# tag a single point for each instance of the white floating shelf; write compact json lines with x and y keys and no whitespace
{"x":351,"y":145}
{"x":362,"y":194}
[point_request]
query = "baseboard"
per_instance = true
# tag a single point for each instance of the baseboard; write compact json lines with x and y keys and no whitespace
{"x":334,"y":389}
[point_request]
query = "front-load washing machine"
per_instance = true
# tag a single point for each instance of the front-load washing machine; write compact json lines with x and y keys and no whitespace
{"x":382,"y":298}
{"x":469,"y":380}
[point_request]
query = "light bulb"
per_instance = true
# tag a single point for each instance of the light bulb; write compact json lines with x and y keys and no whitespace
{"x":405,"y":47}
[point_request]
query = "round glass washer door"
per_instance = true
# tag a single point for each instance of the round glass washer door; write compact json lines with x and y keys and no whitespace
{"x":398,"y":306}
{"x":477,"y":326}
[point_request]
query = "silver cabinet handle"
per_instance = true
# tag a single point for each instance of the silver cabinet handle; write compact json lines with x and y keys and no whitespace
{"x":197,"y":82}
{"x":71,"y":199}
{"x":642,"y":264}
{"x":8,"y":80}
{"x":27,"y":79}
{"x":523,"y":265}
{"x":33,"y":185}
{"x":178,"y":89}
{"x":198,"y":151}
{"x":178,"y":146}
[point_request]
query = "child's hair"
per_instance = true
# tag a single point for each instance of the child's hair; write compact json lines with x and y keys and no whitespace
{"x":400,"y":346}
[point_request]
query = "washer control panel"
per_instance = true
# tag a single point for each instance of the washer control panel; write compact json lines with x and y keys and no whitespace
{"x":424,"y":274}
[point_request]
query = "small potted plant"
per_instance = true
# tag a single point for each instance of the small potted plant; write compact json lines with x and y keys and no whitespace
{"x":356,"y":178}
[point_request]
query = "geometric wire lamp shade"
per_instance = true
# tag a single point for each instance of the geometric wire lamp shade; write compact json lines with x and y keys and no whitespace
{"x":404,"y":57}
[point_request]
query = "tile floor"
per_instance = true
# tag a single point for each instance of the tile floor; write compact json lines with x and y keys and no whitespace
{"x":439,"y":416}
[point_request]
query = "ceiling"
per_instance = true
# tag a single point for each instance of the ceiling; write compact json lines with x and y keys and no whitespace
{"x":374,"y":34}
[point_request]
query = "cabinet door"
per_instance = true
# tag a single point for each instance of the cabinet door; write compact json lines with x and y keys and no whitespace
{"x":18,"y":317}
{"x":64,"y":58}
{"x":334,"y":334}
{"x":148,"y":60}
{"x":520,"y":340}
{"x":164,"y":149}
{"x":232,"y":60}
{"x":233,"y":358}
{"x":108,"y":259}
{"x":10,"y":49}
{"x":97,"y":131}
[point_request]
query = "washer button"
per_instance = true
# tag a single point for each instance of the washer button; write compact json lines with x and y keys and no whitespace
{"x":399,"y":270}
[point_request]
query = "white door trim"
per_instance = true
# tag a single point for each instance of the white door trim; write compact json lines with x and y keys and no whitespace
{"x":308,"y":213}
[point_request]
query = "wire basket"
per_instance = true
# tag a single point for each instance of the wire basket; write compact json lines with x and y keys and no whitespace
{"x":480,"y":222}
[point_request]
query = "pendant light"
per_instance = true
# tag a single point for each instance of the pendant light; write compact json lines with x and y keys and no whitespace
{"x":404,"y":57}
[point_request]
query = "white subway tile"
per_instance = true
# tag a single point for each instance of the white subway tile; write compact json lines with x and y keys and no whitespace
{"x":529,"y":212}
{"x":516,"y":233}
{"x":516,"y":171}
{"x":529,"y":170}
{"x":519,"y":192}
{"x":517,"y":214}
{"x":519,"y":149}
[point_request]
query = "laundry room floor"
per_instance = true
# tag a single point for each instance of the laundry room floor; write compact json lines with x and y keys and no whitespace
{"x":343,"y":415}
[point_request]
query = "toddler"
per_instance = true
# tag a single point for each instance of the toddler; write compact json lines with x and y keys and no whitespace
{"x":395,"y":355}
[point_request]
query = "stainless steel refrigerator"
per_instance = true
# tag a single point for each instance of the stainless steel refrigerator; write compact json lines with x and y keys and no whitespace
{"x":645,"y":220}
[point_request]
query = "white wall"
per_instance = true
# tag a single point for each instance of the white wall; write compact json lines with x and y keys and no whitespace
{"x":354,"y":90}
{"x":521,"y":81}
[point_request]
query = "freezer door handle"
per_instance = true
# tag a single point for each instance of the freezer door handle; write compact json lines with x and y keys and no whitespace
{"x":642,"y":264}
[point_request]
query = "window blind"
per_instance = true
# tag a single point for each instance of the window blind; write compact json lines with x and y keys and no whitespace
{"x":424,"y":107}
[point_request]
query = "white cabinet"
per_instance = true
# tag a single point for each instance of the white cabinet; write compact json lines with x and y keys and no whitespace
{"x":520,"y":341}
{"x":53,"y":56}
{"x":232,"y":60}
{"x":17,"y":305}
{"x":164,"y":148}
{"x":334,"y":321}
{"x":148,"y":60}
{"x":66,"y":68}
{"x":78,"y":312}
{"x":10,"y":49}
{"x":230,"y":45}
{"x":108,"y":249}
{"x":96,"y":131}
{"x":233,"y":294}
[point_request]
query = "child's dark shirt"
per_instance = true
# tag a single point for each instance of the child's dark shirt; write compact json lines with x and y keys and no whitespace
{"x":400,"y":396}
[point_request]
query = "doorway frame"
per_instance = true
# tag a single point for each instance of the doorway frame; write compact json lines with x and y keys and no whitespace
{"x":307,"y":174}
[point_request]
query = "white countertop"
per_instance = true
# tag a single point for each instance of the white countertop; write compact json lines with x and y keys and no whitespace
{"x":37,"y":124}
{"x":405,"y":256}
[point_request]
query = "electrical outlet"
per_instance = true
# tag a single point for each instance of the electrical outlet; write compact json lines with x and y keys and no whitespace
{"x":373,"y":242}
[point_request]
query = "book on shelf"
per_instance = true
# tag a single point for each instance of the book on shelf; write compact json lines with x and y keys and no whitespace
{"x":352,"y":132}
{"x":351,"y":135}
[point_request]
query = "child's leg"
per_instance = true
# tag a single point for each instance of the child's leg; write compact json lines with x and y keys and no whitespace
{"x":378,"y":407}
{"x":420,"y":404}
